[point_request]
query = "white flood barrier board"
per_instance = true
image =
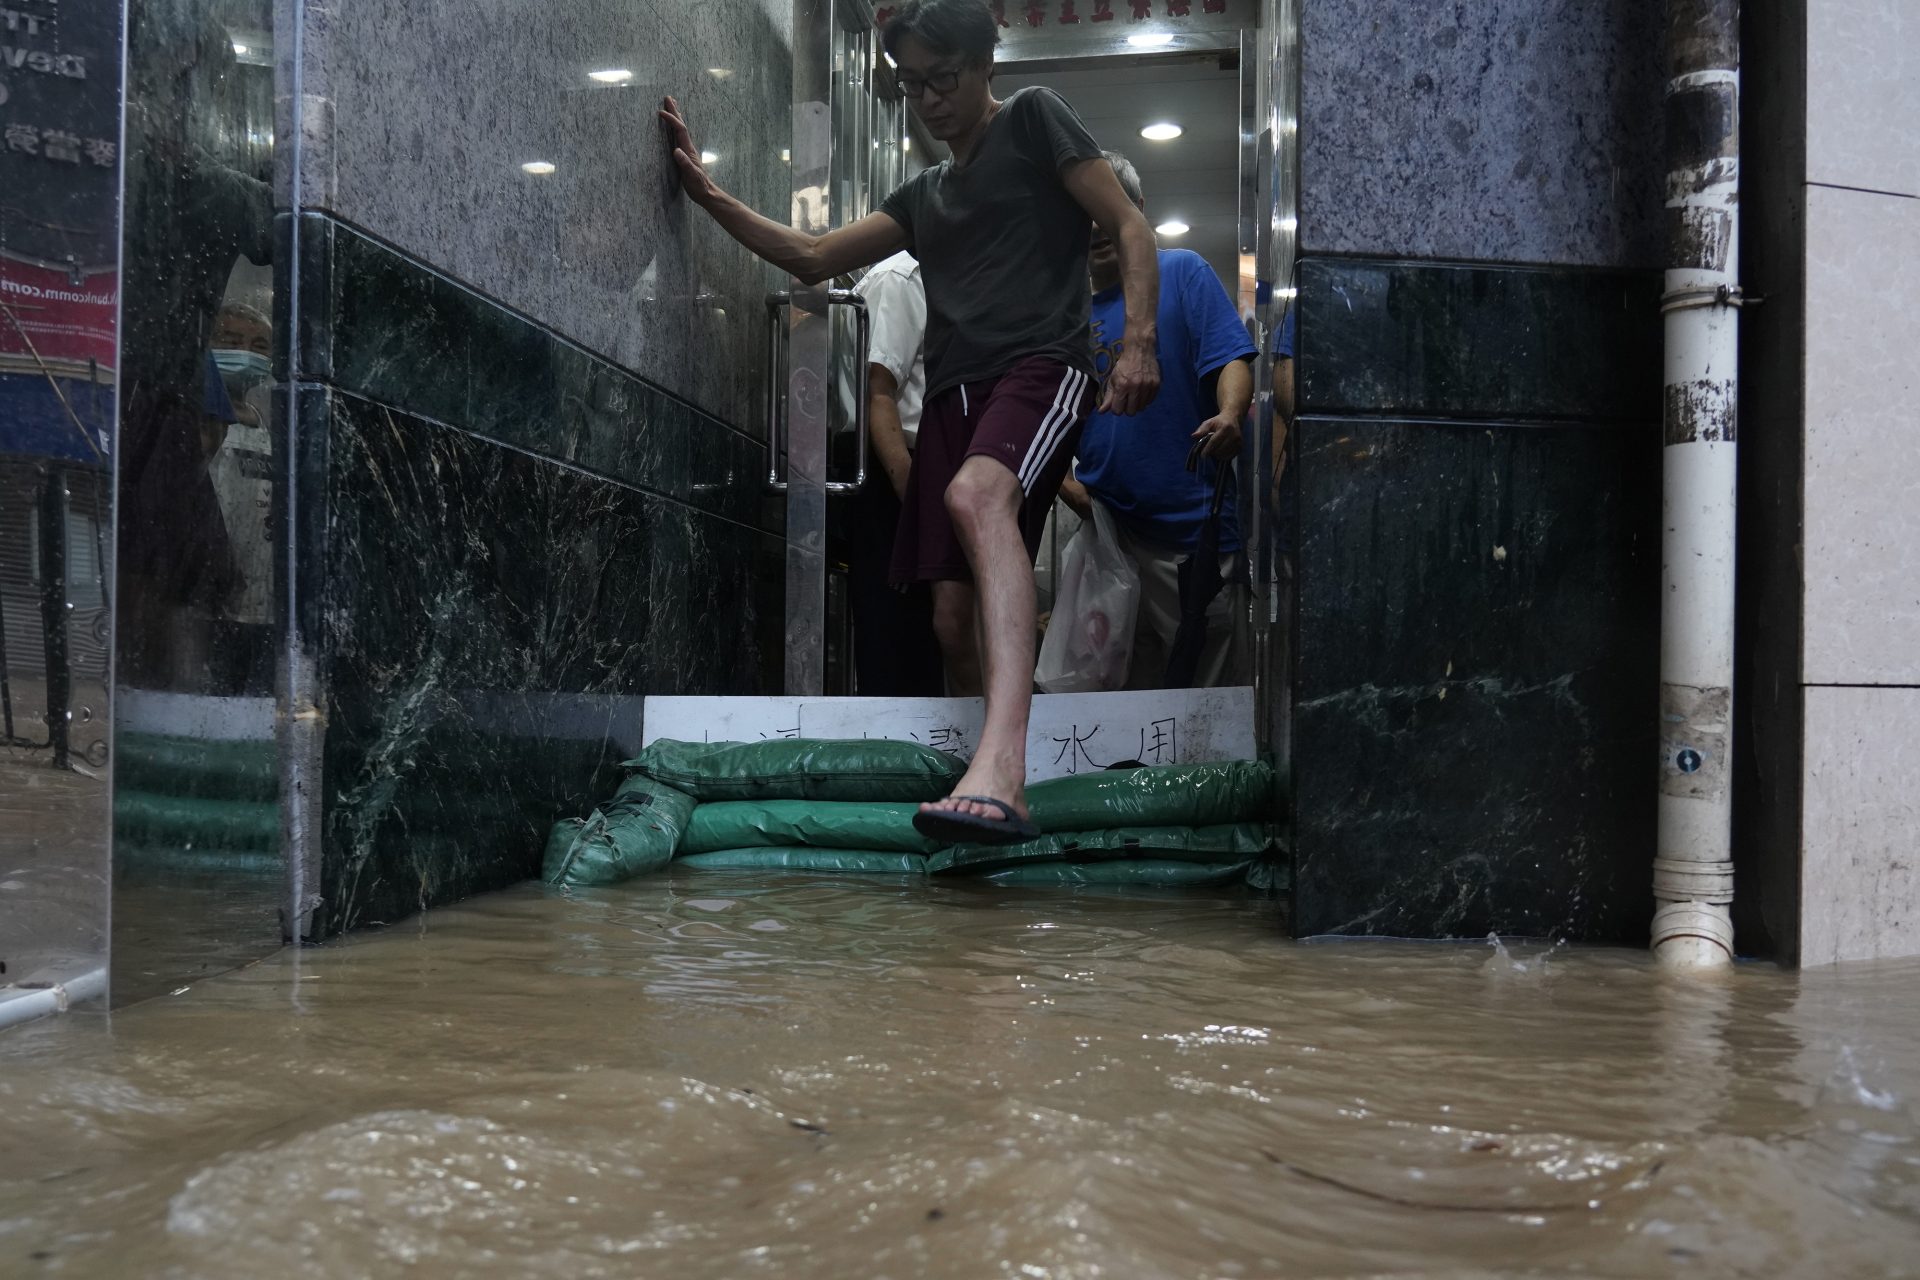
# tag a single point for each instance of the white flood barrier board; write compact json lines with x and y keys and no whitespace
{"x":1069,"y":733}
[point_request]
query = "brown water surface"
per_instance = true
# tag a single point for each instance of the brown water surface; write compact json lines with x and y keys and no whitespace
{"x":721,"y":1076}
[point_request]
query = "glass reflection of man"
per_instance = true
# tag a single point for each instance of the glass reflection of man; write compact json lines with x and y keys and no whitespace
{"x":241,"y":471}
{"x":1001,"y":233}
{"x":189,"y":214}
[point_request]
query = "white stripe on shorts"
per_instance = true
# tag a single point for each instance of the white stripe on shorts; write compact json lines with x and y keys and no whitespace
{"x":1053,"y":428}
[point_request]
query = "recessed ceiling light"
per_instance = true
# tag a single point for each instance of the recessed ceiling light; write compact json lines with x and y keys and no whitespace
{"x":1163,"y":131}
{"x":538,"y":168}
{"x":1173,"y":227}
{"x":1151,"y":39}
{"x":720,"y":73}
{"x":612,"y":75}
{"x":708,"y":157}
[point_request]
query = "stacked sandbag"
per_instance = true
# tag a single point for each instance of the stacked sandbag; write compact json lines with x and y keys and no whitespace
{"x":783,"y":804}
{"x":190,"y":804}
{"x":806,"y":805}
{"x":1169,"y":825}
{"x":636,"y":832}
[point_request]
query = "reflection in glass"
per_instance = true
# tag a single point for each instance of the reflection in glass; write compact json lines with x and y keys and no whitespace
{"x":59,"y":232}
{"x":197,"y":870}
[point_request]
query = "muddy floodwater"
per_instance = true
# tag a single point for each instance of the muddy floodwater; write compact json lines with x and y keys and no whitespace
{"x":711,"y":1076}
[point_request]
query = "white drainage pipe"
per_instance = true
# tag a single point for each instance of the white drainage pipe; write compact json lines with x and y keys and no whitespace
{"x":24,"y":1003}
{"x":1693,"y":871}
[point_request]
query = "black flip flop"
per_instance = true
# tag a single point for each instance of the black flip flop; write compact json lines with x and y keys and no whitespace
{"x":950,"y":827}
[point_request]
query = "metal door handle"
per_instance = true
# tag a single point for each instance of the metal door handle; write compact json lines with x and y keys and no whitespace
{"x":862,"y":349}
{"x":779,"y":349}
{"x":777,"y":352}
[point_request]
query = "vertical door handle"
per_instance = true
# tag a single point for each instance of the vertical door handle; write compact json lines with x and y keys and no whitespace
{"x":862,"y":350}
{"x":778,"y":348}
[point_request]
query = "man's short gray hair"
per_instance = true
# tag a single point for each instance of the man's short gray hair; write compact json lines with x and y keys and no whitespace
{"x":1129,"y":176}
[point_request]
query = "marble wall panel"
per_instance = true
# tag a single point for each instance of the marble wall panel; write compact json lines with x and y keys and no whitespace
{"x":1427,"y":339}
{"x":1476,"y":639}
{"x":1860,"y":886}
{"x":1508,"y":130}
{"x":381,"y":325}
{"x":1862,"y":478}
{"x":418,"y":118}
{"x":1863,"y":94}
{"x":488,"y":622}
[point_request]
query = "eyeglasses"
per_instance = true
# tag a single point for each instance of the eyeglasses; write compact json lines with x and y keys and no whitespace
{"x":939,"y":81}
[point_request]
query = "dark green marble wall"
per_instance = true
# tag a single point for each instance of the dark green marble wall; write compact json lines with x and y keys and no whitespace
{"x":1476,"y":472}
{"x":501,"y":543}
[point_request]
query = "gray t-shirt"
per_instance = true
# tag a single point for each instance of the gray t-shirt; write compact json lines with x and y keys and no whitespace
{"x":1002,"y":246}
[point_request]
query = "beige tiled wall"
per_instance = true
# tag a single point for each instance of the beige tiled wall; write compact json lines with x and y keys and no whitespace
{"x":1863,"y":94}
{"x":1861,"y":833}
{"x":1860,"y":814}
{"x":1862,"y":530}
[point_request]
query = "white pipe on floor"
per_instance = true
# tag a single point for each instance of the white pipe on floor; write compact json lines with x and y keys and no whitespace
{"x":22,"y":1004}
{"x":1693,"y":869}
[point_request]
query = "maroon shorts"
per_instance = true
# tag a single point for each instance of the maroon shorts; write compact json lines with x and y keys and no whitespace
{"x":1028,"y":419}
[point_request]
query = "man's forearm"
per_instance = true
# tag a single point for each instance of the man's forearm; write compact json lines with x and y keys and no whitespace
{"x":1139,"y":283}
{"x":889,"y":440}
{"x":794,"y":252}
{"x":1234,"y":393}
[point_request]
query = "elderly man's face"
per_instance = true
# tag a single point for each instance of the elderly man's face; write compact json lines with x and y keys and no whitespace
{"x":234,"y":331}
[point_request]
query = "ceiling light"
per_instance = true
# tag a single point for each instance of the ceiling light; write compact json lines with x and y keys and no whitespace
{"x":1173,"y":227}
{"x":708,"y":157}
{"x":612,"y":75}
{"x":906,"y":144}
{"x":538,"y":168}
{"x":1151,"y":39}
{"x":240,"y":49}
{"x":719,"y":73}
{"x":1163,"y":131}
{"x":786,"y":156}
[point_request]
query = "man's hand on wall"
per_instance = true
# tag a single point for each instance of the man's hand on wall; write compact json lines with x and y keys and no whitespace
{"x":700,"y":188}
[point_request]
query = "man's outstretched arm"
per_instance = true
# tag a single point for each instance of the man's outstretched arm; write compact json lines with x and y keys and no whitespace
{"x":811,"y":259}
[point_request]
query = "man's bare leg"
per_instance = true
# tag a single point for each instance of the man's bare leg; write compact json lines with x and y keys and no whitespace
{"x":956,"y":623}
{"x":984,"y":501}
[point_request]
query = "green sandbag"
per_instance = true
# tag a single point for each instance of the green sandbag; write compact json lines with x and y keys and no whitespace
{"x":162,"y":764}
{"x":1145,"y":872}
{"x":801,"y":769}
{"x":194,"y":822}
{"x":239,"y":862}
{"x":1231,"y":843}
{"x":883,"y":826}
{"x":868,"y":860}
{"x":632,"y":834}
{"x":1174,"y":795}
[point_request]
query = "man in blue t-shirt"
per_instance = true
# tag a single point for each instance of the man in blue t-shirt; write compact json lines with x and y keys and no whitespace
{"x":1137,"y":466}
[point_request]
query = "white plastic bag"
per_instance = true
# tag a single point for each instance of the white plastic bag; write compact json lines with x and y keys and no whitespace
{"x":1089,"y":640}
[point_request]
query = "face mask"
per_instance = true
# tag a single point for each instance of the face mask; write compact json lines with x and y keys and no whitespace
{"x":243,"y":370}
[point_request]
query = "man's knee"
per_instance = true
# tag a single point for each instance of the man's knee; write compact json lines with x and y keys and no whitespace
{"x":953,"y":619}
{"x":982,"y":492}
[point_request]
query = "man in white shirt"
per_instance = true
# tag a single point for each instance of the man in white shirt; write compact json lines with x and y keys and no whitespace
{"x":895,"y":652}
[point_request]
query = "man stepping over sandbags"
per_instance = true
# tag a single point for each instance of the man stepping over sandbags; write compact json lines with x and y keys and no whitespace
{"x":1001,"y":232}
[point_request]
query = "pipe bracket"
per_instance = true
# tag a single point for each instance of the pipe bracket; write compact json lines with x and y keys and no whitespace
{"x":1719,"y":295}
